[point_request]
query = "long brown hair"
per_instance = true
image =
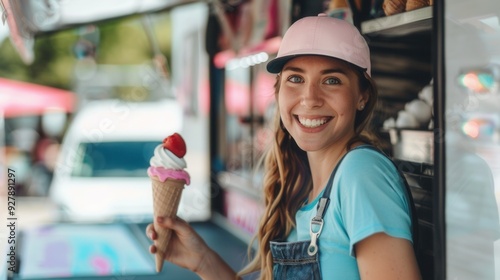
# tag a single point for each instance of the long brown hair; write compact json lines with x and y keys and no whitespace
{"x":287,"y":180}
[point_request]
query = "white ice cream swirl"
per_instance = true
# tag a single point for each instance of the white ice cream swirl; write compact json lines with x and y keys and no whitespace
{"x":166,"y":159}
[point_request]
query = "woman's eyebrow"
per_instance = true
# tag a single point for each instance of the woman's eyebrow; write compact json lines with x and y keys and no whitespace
{"x":334,"y":70}
{"x":325,"y":71}
{"x":291,"y":68}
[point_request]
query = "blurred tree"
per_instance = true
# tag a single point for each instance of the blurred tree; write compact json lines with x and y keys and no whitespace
{"x":11,"y":65}
{"x":122,"y":41}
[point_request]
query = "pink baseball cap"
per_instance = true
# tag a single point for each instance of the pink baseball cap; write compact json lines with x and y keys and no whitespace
{"x":322,"y":35}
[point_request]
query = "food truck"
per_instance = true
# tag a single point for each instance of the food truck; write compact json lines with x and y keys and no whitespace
{"x":437,"y":68}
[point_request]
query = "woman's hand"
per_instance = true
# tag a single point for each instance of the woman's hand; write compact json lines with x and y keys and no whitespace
{"x":188,"y":250}
{"x":185,"y":249}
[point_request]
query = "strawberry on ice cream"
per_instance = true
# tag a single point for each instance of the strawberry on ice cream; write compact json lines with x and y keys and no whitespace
{"x":168,"y":160}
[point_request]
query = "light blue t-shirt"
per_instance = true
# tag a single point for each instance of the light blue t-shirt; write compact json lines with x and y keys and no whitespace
{"x":368,"y":196}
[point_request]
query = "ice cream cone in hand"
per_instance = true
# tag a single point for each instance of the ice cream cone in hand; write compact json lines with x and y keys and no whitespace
{"x":168,"y":179}
{"x":166,"y":198}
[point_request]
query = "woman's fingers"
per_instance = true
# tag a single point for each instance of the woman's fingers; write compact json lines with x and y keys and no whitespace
{"x":175,"y":223}
{"x":150,"y":232}
{"x":181,"y":229}
{"x":152,"y":249}
{"x":185,"y":249}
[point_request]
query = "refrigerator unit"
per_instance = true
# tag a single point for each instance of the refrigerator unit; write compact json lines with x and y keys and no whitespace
{"x":470,"y":153}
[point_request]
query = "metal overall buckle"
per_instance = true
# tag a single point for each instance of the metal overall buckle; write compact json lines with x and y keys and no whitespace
{"x":313,"y":246}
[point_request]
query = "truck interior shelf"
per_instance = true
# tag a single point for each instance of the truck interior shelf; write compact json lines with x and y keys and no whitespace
{"x":401,"y":47}
{"x":418,"y":174}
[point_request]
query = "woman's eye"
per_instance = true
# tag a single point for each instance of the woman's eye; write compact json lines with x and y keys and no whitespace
{"x":295,"y":79}
{"x":332,"y":81}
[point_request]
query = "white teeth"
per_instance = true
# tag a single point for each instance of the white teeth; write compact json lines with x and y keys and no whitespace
{"x":312,"y":123}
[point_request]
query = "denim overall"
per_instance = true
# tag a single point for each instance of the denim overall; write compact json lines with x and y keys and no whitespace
{"x":300,"y":260}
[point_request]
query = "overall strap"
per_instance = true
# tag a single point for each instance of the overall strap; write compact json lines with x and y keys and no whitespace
{"x":316,"y":225}
{"x":324,"y":201}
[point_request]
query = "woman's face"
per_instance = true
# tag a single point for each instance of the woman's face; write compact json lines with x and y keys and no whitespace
{"x":318,"y":99}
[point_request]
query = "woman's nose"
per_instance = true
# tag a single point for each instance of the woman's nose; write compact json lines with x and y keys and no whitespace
{"x":311,"y":97}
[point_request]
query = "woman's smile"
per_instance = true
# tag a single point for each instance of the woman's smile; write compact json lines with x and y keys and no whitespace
{"x":312,"y":122}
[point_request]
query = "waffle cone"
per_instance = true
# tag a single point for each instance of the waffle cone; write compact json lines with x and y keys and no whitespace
{"x":166,"y":198}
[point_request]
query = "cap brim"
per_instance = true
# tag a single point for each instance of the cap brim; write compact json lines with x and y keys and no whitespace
{"x":276,"y":65}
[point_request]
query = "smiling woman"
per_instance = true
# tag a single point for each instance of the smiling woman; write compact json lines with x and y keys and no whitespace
{"x":324,"y":179}
{"x":325,"y":99}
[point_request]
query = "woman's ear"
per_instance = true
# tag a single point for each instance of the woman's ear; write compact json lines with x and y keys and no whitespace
{"x":363,"y":100}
